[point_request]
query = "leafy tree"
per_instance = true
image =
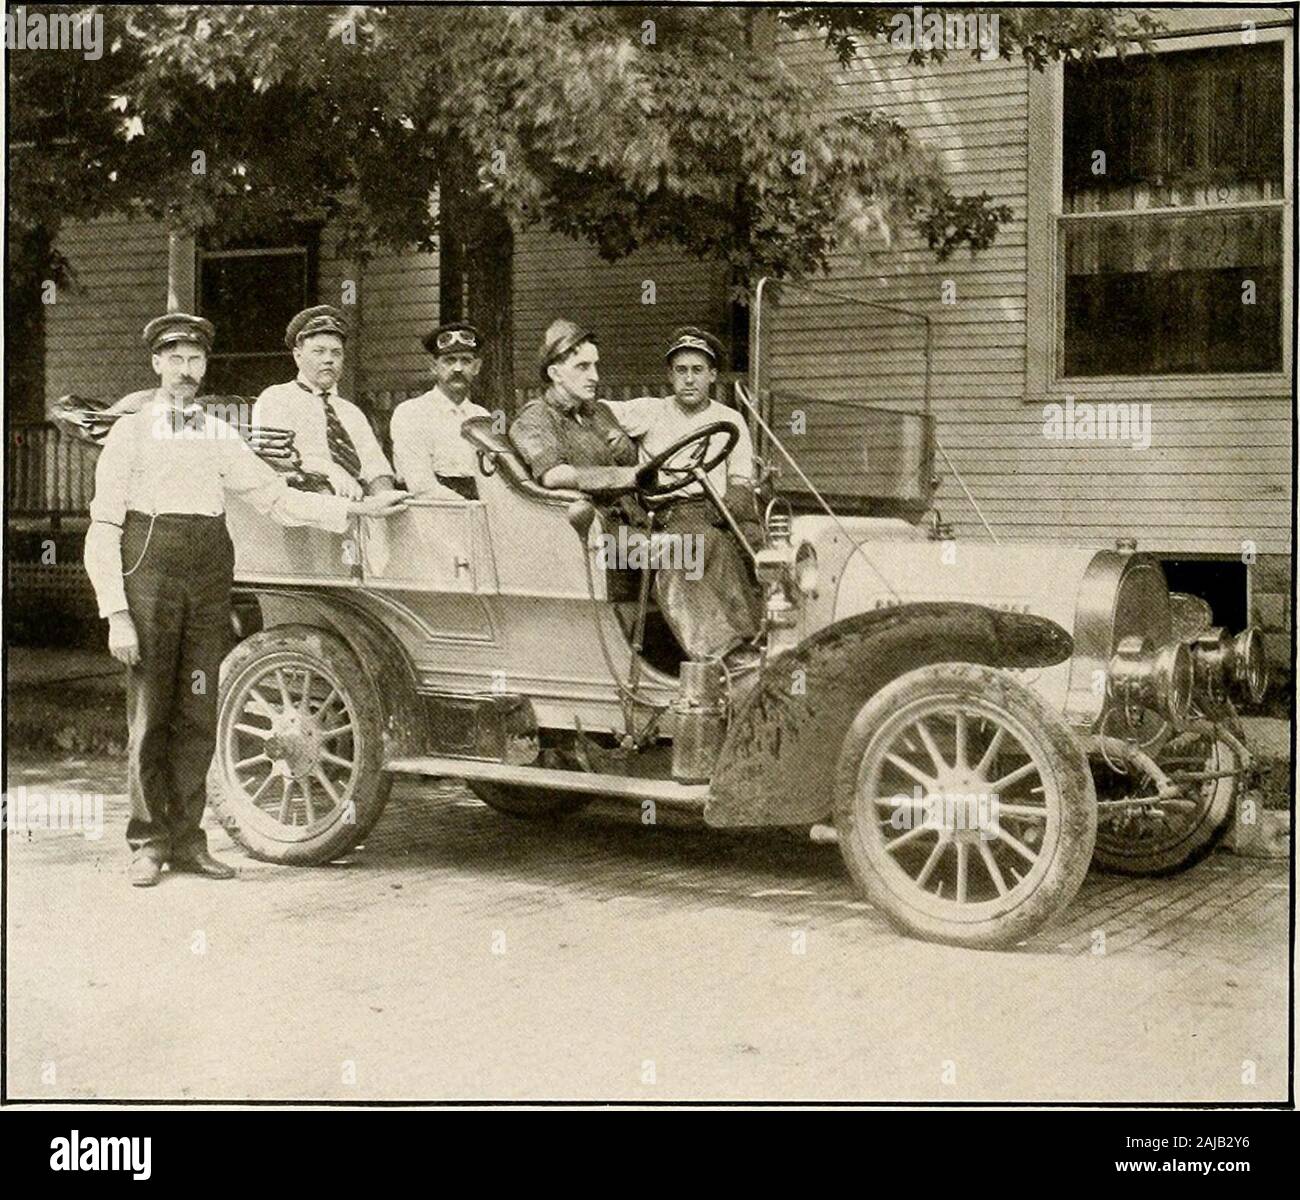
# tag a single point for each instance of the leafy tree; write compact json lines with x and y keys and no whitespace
{"x":1039,"y":34}
{"x":624,"y":125}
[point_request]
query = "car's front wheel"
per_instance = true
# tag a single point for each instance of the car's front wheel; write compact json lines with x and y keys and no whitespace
{"x":297,"y":776}
{"x":964,"y":806}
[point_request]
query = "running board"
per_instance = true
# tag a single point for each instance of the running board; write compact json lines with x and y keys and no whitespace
{"x":584,"y":783}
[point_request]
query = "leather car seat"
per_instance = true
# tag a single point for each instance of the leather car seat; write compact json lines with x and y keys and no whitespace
{"x":496,"y":453}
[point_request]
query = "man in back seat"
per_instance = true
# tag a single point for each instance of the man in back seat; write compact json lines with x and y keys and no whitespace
{"x":331,"y":434}
{"x":429,"y":453}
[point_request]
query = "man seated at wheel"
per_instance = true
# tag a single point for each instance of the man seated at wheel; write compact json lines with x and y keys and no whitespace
{"x":568,"y":431}
{"x":717,"y":613}
{"x":568,"y":428}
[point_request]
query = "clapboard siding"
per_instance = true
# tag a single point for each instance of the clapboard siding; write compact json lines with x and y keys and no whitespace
{"x":559,"y":277}
{"x":553,"y":276}
{"x":120,"y":275}
{"x":92,"y":331}
{"x":1216,"y":473}
{"x":399,"y":303}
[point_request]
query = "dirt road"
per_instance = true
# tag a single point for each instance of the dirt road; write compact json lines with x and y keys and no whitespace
{"x":460,"y":954}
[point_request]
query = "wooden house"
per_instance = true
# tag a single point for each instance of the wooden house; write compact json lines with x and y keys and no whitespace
{"x":1118,"y":364}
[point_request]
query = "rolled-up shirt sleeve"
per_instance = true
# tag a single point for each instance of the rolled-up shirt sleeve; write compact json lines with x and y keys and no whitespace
{"x":537,"y":443}
{"x":248,"y":477}
{"x":636,"y":416}
{"x":103,"y":549}
{"x":740,"y":462}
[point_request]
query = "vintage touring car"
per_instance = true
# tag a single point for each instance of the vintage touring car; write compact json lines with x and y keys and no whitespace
{"x":973,"y":723}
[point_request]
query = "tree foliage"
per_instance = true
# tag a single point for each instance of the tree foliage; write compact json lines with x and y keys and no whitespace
{"x":1039,"y":34}
{"x":623,"y":125}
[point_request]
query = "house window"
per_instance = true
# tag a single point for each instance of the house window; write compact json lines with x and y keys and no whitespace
{"x":1170,"y":257}
{"x":249,"y":290}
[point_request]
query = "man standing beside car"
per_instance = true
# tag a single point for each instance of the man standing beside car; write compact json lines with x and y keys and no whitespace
{"x":332,"y":435}
{"x":162,"y":565}
{"x":430,"y":456}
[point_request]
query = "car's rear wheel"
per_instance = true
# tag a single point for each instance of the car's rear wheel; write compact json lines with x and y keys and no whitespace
{"x":964,"y":806}
{"x":297,"y":776}
{"x":1144,"y":830}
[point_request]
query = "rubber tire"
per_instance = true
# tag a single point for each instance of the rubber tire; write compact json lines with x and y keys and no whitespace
{"x":370,"y":794}
{"x":1078,"y":818}
{"x":526,"y":804}
{"x":1200,"y":841}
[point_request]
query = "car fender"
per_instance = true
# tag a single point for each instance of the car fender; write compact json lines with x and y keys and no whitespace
{"x":777,"y":762}
{"x":385,"y":661}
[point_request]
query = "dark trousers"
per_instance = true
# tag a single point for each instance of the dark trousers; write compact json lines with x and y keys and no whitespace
{"x":179,"y":599}
{"x":721,"y":608}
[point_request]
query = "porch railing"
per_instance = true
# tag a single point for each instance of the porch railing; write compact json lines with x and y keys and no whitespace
{"x":51,"y":475}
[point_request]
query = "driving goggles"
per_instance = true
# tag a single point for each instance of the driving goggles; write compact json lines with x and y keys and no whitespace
{"x":457,"y":337}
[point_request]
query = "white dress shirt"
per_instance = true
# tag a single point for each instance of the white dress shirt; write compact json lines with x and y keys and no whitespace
{"x":427,"y":441}
{"x":154,"y":463}
{"x":658,"y":421}
{"x":298,"y":407}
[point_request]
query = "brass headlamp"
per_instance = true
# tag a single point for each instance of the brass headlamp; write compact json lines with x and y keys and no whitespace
{"x":1225,"y":666}
{"x":1141,"y":676}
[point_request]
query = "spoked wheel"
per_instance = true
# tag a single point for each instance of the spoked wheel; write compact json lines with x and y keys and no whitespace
{"x":297,"y":774}
{"x":1167,"y":812}
{"x":964,"y":806}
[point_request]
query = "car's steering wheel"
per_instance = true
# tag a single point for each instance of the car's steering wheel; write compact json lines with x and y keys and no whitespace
{"x":647,"y":474}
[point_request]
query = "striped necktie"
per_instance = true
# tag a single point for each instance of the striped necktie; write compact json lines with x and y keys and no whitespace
{"x":342,"y":451}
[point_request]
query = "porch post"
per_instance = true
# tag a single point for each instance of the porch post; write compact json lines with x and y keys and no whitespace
{"x":180,"y":271}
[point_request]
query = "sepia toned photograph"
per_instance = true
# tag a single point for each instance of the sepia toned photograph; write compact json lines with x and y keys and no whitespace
{"x":649,"y":555}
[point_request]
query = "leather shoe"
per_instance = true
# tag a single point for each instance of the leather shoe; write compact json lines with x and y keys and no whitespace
{"x":202,"y":863}
{"x":144,"y":871}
